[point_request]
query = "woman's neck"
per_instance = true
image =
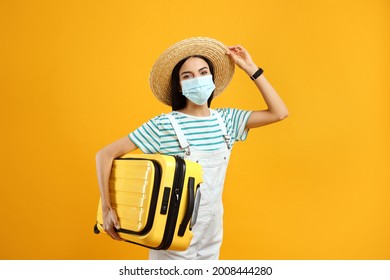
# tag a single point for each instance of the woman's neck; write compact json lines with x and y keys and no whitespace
{"x":196,"y":110}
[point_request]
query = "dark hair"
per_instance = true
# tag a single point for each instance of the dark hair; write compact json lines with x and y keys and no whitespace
{"x":179,"y":101}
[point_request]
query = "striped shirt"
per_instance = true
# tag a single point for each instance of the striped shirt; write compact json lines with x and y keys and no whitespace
{"x":204,"y":133}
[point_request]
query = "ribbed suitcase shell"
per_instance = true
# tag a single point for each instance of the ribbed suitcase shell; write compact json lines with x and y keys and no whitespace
{"x":155,"y":197}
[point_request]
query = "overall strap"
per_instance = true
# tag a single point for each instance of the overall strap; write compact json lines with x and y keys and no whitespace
{"x":222,"y":126}
{"x":179,"y":133}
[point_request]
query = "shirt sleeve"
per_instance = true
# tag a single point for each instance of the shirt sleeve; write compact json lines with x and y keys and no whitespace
{"x":236,"y":120}
{"x":147,"y":136}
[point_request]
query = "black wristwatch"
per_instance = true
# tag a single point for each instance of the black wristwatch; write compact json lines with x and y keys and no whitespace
{"x":257,"y":74}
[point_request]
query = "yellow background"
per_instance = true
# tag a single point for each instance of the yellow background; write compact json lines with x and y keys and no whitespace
{"x":74,"y":77}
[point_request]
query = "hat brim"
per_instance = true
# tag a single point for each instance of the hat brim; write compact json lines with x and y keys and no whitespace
{"x":215,"y":51}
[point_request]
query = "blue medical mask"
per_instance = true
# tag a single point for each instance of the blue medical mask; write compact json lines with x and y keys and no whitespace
{"x":198,"y":89}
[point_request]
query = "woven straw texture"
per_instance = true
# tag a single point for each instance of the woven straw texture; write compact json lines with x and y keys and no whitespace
{"x":160,"y":75}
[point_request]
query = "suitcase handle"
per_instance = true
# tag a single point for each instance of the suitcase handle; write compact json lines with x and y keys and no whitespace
{"x":190,"y":206}
{"x":196,"y":207}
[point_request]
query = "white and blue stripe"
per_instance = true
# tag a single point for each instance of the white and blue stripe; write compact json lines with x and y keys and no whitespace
{"x":158,"y":136}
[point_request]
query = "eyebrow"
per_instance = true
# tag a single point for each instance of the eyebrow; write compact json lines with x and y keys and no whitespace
{"x":189,"y":72}
{"x":203,"y":68}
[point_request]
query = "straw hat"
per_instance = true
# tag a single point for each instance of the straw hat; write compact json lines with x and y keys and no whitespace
{"x":215,"y":51}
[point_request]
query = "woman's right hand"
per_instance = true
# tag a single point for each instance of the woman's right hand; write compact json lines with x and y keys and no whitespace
{"x":110,"y":223}
{"x":104,"y":159}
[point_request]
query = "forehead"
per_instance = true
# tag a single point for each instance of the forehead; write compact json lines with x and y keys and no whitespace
{"x":193,"y":64}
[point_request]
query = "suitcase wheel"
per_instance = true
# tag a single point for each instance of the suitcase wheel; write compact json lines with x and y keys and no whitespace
{"x":96,"y":229}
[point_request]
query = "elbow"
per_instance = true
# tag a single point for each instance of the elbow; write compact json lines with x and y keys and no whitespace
{"x":101,"y":155}
{"x":279,"y":114}
{"x":282,"y":115}
{"x":98,"y":156}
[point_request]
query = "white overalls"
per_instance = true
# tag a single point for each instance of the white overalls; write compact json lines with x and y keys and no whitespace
{"x":208,"y":230}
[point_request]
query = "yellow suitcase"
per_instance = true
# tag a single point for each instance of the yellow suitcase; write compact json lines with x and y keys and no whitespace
{"x":156,"y":198}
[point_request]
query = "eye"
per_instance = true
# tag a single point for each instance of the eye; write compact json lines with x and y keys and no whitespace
{"x":205,"y":72}
{"x":186,"y":76}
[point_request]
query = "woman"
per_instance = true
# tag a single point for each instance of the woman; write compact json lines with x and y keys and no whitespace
{"x":187,"y":76}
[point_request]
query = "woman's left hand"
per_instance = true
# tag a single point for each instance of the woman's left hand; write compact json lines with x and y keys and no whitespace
{"x":242,"y":59}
